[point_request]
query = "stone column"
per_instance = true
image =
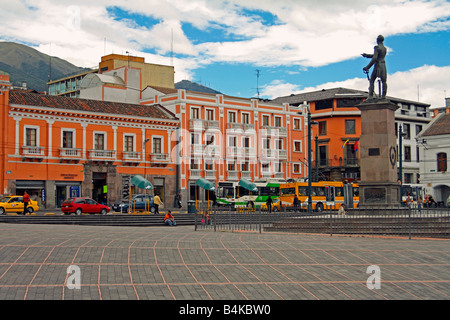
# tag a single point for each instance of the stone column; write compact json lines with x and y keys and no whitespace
{"x":378,"y":148}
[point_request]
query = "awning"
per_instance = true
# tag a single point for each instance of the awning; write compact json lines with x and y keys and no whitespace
{"x":248,"y":185}
{"x":205,"y":184}
{"x":141,"y":182}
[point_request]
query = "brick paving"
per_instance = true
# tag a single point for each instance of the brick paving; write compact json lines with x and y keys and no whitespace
{"x":167,"y":263}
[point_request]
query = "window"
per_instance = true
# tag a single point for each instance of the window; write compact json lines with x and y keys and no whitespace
{"x":157,"y":145}
{"x":209,"y":165}
{"x":246,"y":142}
{"x":277,"y":121}
{"x":245,"y":118}
{"x":67,"y":139}
{"x":31,"y":137}
{"x":297,"y":146}
{"x":442,"y":162}
{"x":266,"y":143}
{"x":265,"y":120}
{"x":232,"y":117}
{"x":209,"y":114}
{"x":128,"y":144}
{"x":322,"y":128}
{"x":407,"y":131}
{"x":232,"y":142}
{"x":99,"y":141}
{"x":297,"y":124}
{"x":245,"y":166}
{"x":297,"y":168}
{"x":407,"y":153}
{"x":324,"y":104}
{"x":194,"y":164}
{"x":350,"y":127}
{"x":231,"y":166}
{"x":195,"y":138}
{"x":209,"y":139}
{"x":278,"y":167}
{"x":195,"y":113}
{"x":323,"y":155}
{"x":418,"y":129}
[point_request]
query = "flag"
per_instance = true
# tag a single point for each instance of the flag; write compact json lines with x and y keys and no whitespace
{"x":345,"y":143}
{"x":355,"y":146}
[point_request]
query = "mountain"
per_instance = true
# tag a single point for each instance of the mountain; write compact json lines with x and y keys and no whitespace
{"x":192,"y":86}
{"x":24,"y":63}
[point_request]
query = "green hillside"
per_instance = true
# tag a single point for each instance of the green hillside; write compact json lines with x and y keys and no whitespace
{"x":24,"y":63}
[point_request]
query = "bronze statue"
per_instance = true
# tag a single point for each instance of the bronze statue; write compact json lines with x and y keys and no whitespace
{"x":379,"y":70}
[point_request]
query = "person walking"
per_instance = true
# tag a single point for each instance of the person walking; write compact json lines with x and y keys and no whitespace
{"x":26,"y":200}
{"x":178,"y":199}
{"x":169,"y":220}
{"x":157,"y":202}
{"x":269,"y":203}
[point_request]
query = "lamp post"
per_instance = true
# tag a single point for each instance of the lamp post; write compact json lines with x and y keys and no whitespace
{"x":401,"y":134}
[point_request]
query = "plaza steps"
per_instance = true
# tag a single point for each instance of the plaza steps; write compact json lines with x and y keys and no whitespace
{"x":99,"y":220}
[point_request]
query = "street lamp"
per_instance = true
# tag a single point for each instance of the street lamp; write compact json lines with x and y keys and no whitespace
{"x":401,"y":134}
{"x":306,"y":105}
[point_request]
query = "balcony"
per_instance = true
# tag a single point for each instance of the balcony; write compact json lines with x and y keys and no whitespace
{"x":160,"y":159}
{"x":131,"y":157}
{"x":334,"y":162}
{"x":277,"y":154}
{"x":69,"y":154}
{"x":195,"y":174}
{"x":232,"y":175}
{"x":32,"y":152}
{"x":210,"y":174}
{"x":240,"y":152}
{"x":102,"y":155}
{"x":201,"y":125}
{"x":271,"y":131}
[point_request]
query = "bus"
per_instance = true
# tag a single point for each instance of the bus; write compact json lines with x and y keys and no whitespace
{"x":324,"y":194}
{"x":231,"y":193}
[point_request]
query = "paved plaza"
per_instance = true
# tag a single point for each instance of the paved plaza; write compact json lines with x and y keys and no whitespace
{"x":177,"y":263}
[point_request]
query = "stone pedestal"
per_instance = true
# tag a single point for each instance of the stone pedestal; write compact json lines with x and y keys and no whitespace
{"x":378,"y":148}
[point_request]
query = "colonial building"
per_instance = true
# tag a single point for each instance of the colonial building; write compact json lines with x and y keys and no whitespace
{"x":56,"y":147}
{"x":338,"y":130}
{"x":224,"y":139}
{"x":434,"y":146}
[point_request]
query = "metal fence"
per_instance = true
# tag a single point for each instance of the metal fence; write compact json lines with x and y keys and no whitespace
{"x":406,"y":222}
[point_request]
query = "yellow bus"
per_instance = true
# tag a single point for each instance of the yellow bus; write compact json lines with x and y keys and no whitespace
{"x":324,"y":195}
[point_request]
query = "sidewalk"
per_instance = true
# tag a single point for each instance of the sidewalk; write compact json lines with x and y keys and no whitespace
{"x":167,"y":263}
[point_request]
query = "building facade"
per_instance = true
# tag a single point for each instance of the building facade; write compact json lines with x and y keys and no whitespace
{"x":57,"y":147}
{"x":338,"y":129}
{"x":434,"y":147}
{"x":224,"y":139}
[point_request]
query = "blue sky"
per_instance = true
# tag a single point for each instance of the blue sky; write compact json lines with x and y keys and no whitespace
{"x":297,"y":45}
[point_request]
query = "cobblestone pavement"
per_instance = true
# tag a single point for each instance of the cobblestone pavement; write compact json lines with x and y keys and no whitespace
{"x":168,"y":263}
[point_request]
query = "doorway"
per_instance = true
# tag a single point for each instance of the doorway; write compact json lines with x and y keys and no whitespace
{"x":99,"y":187}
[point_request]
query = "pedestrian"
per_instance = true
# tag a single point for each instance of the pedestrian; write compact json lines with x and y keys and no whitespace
{"x":26,"y":200}
{"x":419,"y":204}
{"x":408,"y":201}
{"x":206,"y":219}
{"x":157,"y":202}
{"x":296,"y":203}
{"x":341,"y":209}
{"x":169,"y":220}
{"x":269,"y":203}
{"x":178,"y":199}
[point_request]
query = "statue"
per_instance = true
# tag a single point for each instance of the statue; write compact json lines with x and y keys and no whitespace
{"x":379,"y":70}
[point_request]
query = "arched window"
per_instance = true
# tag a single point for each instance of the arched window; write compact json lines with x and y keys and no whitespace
{"x":442,"y":162}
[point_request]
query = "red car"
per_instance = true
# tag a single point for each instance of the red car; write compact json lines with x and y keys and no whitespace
{"x":81,"y":205}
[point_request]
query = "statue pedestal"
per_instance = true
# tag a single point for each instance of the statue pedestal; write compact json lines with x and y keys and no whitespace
{"x":378,"y":151}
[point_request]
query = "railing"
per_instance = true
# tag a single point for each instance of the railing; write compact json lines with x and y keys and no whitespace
{"x":69,"y":153}
{"x":159,"y":157}
{"x":402,"y":222}
{"x":102,"y":154}
{"x":32,"y":151}
{"x":131,"y":156}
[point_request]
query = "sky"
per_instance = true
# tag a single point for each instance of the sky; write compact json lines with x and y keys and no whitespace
{"x":253,"y":47}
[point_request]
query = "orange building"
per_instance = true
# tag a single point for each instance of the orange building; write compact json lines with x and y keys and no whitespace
{"x":56,"y":147}
{"x":224,"y":139}
{"x":336,"y":135}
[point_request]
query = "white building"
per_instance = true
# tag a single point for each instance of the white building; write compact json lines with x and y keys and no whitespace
{"x":434,"y":146}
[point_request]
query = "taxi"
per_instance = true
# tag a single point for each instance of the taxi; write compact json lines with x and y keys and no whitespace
{"x":15,"y":204}
{"x":276,"y":205}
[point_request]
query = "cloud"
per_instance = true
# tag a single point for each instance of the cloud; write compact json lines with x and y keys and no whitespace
{"x":426,"y":84}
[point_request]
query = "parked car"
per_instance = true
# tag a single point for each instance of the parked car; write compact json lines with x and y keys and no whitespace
{"x":138,"y":203}
{"x":81,"y":205}
{"x":15,"y":204}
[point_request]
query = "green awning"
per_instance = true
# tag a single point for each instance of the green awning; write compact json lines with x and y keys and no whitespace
{"x":205,"y":184}
{"x":141,"y":182}
{"x":248,"y":185}
{"x":273,"y":185}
